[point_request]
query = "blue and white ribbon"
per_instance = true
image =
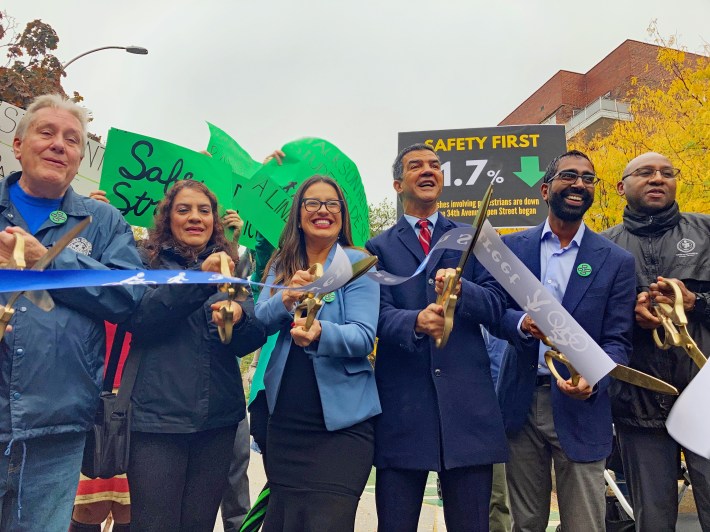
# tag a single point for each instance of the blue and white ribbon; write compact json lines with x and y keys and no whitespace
{"x":339,"y":272}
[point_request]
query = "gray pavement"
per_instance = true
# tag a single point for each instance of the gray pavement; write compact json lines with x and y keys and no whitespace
{"x":432,"y":516}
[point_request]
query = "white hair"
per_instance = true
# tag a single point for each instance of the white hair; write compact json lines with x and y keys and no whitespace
{"x":55,"y":101}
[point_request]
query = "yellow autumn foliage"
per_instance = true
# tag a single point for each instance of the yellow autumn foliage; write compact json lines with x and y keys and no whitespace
{"x":672,"y":119}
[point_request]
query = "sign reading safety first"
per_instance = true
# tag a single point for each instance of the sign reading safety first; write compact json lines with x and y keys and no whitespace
{"x":513,"y":157}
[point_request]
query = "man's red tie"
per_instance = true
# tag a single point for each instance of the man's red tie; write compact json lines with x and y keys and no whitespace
{"x":424,"y":235}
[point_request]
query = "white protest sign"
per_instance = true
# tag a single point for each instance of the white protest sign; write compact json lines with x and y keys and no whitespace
{"x":89,"y":175}
{"x":687,"y":423}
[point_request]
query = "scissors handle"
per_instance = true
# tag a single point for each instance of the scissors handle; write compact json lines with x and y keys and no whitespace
{"x":448,"y":300}
{"x":671,"y":335}
{"x":310,"y":303}
{"x":551,"y":356}
{"x":225,"y":331}
{"x":674,"y":323}
{"x":226,"y":312}
{"x":7,"y":313}
{"x":17,"y":260}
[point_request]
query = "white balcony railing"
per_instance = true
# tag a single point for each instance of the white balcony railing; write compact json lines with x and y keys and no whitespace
{"x":598,"y":109}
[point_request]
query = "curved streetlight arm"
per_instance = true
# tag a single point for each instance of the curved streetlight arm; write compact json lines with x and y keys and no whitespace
{"x":130,"y":49}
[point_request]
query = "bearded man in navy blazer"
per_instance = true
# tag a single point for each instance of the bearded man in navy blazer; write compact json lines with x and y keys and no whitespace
{"x":439,"y":408}
{"x":554,"y":422}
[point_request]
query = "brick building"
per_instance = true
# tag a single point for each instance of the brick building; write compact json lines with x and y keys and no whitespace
{"x":591,"y":102}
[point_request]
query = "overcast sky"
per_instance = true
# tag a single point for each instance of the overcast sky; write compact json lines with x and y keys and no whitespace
{"x":354,"y":73}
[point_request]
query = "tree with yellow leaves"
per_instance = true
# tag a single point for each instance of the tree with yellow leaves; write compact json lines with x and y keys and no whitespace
{"x":672,"y":119}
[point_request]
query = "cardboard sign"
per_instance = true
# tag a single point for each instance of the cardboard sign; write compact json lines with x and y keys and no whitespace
{"x":139,"y":170}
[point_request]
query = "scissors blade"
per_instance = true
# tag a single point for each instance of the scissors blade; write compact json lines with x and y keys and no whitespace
{"x":60,"y":244}
{"x":50,"y":255}
{"x":643,"y":380}
{"x":362,"y":266}
{"x":477,"y":227}
{"x":694,"y":351}
{"x":42,"y":299}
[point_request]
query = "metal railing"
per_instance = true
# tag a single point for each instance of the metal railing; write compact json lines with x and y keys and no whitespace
{"x":598,"y":109}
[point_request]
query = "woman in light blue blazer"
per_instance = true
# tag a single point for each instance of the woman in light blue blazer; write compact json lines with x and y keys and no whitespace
{"x":319,"y":384}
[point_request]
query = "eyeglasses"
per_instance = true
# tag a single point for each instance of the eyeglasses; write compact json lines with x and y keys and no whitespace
{"x":313,"y":205}
{"x":647,"y":172}
{"x":570,"y":178}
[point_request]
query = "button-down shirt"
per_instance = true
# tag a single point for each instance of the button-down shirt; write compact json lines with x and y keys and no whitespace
{"x":556,"y":265}
{"x":412,"y":220}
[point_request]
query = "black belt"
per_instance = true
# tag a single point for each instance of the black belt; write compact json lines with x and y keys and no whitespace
{"x":543,"y":380}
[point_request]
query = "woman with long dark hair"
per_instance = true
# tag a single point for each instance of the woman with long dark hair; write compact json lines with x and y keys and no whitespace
{"x":319,"y":384}
{"x":188,"y":396}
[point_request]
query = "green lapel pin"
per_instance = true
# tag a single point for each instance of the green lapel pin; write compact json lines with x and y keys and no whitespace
{"x":58,"y":217}
{"x":329,"y":297}
{"x":584,"y":269}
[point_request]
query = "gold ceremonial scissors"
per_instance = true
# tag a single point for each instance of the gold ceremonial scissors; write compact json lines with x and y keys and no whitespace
{"x":235,"y":292}
{"x":18,"y":262}
{"x":620,"y":372}
{"x":447,"y":299}
{"x":312,"y":302}
{"x":675,"y":327}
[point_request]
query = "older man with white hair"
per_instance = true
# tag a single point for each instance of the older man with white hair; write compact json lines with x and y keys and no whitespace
{"x":51,"y":362}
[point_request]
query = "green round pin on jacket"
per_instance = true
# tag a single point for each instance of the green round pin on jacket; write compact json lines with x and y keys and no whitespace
{"x":329,"y":297}
{"x":584,"y":269}
{"x":58,"y":217}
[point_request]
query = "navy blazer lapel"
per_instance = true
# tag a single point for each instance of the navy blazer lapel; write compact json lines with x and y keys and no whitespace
{"x":408,"y":237}
{"x":529,"y":251}
{"x":591,"y":255}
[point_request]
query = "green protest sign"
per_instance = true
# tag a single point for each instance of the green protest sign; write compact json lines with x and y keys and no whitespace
{"x":266,"y":199}
{"x":224,"y":148}
{"x":139,"y":170}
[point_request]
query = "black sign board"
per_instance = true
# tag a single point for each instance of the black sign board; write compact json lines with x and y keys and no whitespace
{"x":514,"y":157}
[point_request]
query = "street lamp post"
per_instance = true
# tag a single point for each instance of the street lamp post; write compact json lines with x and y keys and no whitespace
{"x":130,"y":49}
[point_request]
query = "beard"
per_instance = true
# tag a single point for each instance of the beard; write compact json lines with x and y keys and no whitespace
{"x":566,"y":212}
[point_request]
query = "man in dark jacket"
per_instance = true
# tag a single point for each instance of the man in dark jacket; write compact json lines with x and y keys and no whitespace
{"x":672,"y":245}
{"x":51,"y":364}
{"x":439,"y":408}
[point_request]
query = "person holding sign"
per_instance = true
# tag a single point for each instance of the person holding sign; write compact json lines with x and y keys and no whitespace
{"x":188,"y":396}
{"x":319,"y":384}
{"x":672,"y":244}
{"x":51,"y":363}
{"x":552,"y":422}
{"x":439,"y":407}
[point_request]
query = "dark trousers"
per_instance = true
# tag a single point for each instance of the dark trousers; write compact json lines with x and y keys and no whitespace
{"x":466,"y":492}
{"x":235,"y":501}
{"x":177,"y":480}
{"x":651,"y":465}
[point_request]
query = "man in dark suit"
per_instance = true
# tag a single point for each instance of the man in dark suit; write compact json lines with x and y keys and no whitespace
{"x":439,"y":408}
{"x":550,"y":421}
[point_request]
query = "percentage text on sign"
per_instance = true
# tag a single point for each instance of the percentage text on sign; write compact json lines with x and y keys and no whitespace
{"x":478,"y":166}
{"x":495,"y":174}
